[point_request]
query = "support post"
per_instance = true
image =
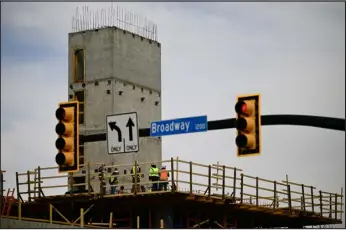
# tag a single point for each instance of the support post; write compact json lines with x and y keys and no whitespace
{"x":209,"y":181}
{"x":330,"y":205}
{"x":256,"y":191}
{"x":17,"y":185}
{"x":234,"y":182}
{"x":39,"y":181}
{"x":274,"y":202}
{"x":303,"y":197}
{"x":190,"y":178}
{"x":321,"y":204}
{"x":138,"y":220}
{"x":28,"y":182}
{"x":312,"y":198}
{"x":172,"y":172}
{"x":81,"y":217}
{"x":102,"y":189}
{"x":35,"y":182}
{"x":19,"y":210}
{"x":2,"y":188}
{"x":176,"y":172}
{"x":336,"y":206}
{"x":135,"y":188}
{"x":341,"y":204}
{"x":89,"y":179}
{"x":84,"y":213}
{"x":289,"y":198}
{"x":217,"y":175}
{"x":223,"y":181}
{"x":73,"y":182}
{"x":50,"y":214}
{"x":110,"y":220}
{"x":241,"y":187}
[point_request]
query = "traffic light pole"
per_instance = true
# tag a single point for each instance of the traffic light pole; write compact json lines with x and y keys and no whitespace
{"x":297,"y":120}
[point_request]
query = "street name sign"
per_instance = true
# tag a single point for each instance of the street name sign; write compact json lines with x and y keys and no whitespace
{"x":122,"y":133}
{"x":179,"y":126}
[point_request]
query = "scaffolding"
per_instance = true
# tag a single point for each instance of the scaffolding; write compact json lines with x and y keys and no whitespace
{"x":198,"y":195}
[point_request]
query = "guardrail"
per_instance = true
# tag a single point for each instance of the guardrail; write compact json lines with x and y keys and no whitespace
{"x":2,"y":180}
{"x":195,"y":179}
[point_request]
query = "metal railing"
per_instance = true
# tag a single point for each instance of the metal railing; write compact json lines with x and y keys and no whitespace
{"x":211,"y":181}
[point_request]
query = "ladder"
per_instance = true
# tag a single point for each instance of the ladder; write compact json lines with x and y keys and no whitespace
{"x":8,"y":203}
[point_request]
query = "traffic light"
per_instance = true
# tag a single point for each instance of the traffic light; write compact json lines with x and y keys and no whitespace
{"x":68,"y":140}
{"x":248,"y":125}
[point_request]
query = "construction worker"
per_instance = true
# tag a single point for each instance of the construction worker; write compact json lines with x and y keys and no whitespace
{"x":113,"y":181}
{"x":102,"y":178}
{"x":154,"y":176}
{"x":135,"y":171}
{"x":163,"y":178}
{"x":121,"y":190}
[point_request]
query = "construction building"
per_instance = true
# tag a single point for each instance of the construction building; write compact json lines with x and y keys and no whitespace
{"x":115,"y":67}
{"x":113,"y":71}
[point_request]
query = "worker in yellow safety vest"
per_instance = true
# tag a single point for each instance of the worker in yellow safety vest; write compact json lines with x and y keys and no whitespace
{"x":154,"y":176}
{"x":135,"y":170}
{"x":163,"y":178}
{"x":113,"y":181}
{"x":102,"y":178}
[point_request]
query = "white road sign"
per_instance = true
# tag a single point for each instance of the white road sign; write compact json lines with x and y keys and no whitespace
{"x":122,"y":133}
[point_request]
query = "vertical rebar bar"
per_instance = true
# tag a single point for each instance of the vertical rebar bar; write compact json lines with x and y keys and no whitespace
{"x":86,"y":19}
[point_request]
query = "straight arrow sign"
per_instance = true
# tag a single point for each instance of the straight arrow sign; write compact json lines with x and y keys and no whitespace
{"x":130,"y":124}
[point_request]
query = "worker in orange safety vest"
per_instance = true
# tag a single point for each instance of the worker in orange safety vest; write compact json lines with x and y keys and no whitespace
{"x":163,"y":178}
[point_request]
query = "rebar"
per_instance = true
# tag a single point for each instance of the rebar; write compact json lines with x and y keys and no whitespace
{"x":113,"y":16}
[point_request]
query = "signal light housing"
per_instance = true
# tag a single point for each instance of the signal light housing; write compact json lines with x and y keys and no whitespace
{"x":248,"y":125}
{"x":67,"y":142}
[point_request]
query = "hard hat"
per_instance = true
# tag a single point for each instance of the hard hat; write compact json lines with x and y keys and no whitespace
{"x":163,"y":167}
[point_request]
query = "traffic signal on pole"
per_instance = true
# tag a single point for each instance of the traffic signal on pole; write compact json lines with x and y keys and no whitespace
{"x":248,"y":125}
{"x":68,"y":137}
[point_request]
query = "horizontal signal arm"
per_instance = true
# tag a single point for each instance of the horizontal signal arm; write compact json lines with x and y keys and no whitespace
{"x":298,"y":120}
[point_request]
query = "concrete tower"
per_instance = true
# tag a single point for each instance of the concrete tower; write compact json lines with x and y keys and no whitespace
{"x":110,"y":70}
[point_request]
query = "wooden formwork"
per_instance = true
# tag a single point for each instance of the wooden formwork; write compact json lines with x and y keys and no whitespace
{"x":205,"y":190}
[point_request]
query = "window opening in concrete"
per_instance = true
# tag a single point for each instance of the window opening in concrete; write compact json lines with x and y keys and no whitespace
{"x":79,"y":65}
{"x":80,"y":96}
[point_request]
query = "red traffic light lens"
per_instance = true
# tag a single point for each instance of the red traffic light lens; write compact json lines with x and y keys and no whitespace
{"x":243,"y":107}
{"x":240,"y":107}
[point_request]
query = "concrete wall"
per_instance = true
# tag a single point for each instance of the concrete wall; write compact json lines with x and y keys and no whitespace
{"x":112,"y":52}
{"x":12,"y":223}
{"x":124,"y":62}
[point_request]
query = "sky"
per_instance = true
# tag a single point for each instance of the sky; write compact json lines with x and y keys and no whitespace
{"x":291,"y":53}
